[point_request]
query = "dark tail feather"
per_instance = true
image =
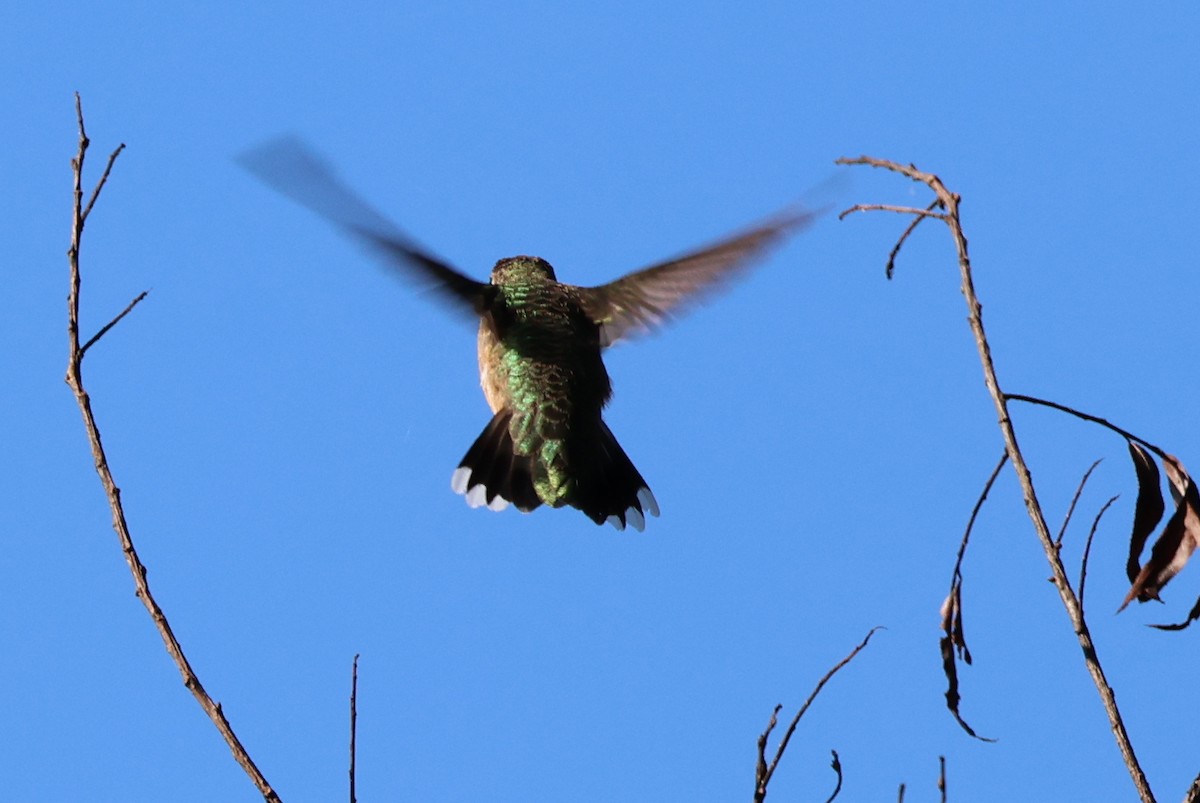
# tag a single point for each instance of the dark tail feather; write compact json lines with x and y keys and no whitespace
{"x":490,"y":474}
{"x":608,"y":488}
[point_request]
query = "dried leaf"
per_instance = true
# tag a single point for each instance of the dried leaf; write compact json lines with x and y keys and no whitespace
{"x":953,"y":639}
{"x":1178,"y":539}
{"x":1193,"y":615}
{"x":1148,"y":511}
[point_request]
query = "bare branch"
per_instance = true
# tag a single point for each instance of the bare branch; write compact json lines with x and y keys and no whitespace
{"x":764,"y":771}
{"x":950,"y":202}
{"x":941,"y":784}
{"x":136,"y":567}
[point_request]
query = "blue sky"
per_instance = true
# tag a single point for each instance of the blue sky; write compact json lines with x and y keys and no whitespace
{"x":283,"y":416}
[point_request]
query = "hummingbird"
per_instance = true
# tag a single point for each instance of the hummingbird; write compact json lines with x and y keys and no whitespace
{"x":540,"y":345}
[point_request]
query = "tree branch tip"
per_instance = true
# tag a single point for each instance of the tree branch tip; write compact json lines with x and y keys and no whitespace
{"x":1000,"y":399}
{"x":214,"y":710}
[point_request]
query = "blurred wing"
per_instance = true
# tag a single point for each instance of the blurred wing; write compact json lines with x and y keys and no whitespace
{"x":287,"y":166}
{"x":641,"y":301}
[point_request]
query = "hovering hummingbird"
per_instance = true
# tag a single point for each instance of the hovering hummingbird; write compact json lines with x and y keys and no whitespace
{"x":540,"y":345}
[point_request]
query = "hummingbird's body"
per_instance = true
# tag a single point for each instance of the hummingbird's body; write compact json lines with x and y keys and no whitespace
{"x":544,"y":379}
{"x":540,"y":344}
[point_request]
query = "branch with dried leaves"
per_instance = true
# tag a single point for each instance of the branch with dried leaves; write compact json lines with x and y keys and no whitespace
{"x":949,"y":203}
{"x":74,"y":379}
{"x":764,"y":771}
{"x":1180,"y":536}
{"x":954,"y":641}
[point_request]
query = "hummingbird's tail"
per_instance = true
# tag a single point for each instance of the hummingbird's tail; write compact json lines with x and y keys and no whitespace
{"x":492,"y":474}
{"x":608,"y":488}
{"x":596,"y":476}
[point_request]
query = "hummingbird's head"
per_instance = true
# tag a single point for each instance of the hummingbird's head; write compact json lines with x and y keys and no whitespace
{"x":522,"y":270}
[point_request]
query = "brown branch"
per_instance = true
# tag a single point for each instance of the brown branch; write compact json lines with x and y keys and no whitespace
{"x":74,"y":379}
{"x":353,"y":724}
{"x":950,"y":202}
{"x":763,"y":771}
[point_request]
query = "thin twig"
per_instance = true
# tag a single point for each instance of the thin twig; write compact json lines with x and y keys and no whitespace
{"x":1087,"y":549}
{"x":890,"y":269}
{"x":903,"y":210}
{"x":104,"y":329}
{"x":764,"y":771}
{"x":941,"y":785}
{"x":950,"y":202}
{"x":1087,"y":417}
{"x":1074,"y":501}
{"x":353,"y":723}
{"x":962,"y":547}
{"x":136,"y":567}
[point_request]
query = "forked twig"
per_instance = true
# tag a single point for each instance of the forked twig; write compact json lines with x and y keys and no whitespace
{"x":918,"y":216}
{"x":950,"y":202}
{"x":764,"y":771}
{"x":74,"y":379}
